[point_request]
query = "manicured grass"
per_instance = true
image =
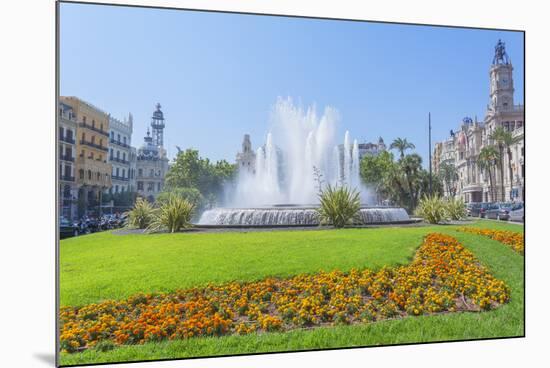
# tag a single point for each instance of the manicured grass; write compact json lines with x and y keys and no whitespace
{"x":315,"y":250}
{"x":108,"y":266}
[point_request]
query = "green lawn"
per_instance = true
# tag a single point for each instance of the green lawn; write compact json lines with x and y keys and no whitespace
{"x":104,"y":265}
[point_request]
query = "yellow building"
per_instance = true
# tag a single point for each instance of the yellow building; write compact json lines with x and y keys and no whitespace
{"x":93,"y":172}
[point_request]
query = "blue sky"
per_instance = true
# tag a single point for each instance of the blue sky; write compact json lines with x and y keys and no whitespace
{"x":218,"y":75}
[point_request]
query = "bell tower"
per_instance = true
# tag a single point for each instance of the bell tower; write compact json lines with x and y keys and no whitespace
{"x":502,"y":83}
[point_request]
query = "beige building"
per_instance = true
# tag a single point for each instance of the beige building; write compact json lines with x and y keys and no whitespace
{"x":246,"y":159}
{"x":68,"y":190}
{"x":462,"y":148}
{"x":93,"y":172}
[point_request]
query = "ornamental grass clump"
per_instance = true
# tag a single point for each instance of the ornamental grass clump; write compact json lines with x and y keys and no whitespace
{"x":141,"y":215}
{"x":432,"y":209}
{"x":443,"y":277}
{"x":455,"y":208}
{"x":173,"y":215}
{"x":339,"y":206}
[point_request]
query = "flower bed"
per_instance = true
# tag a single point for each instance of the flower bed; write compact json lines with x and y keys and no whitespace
{"x":510,"y":238}
{"x":443,"y":277}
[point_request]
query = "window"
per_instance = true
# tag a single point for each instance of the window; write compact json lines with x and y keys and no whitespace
{"x":118,"y":155}
{"x":84,"y":119}
{"x":83,"y":137}
{"x":89,"y":174}
{"x":123,"y":173}
{"x":150,"y":186}
{"x":101,"y":142}
{"x":124,"y":139}
{"x":140,"y":172}
{"x":158,"y":187}
{"x":152,"y":173}
{"x":116,"y":188}
{"x":98,"y":175}
{"x":100,"y":158}
{"x":111,"y":154}
{"x":140,"y":185}
{"x":93,"y":123}
{"x":118,"y":138}
{"x":61,"y":132}
{"x":124,"y":156}
{"x":69,"y":134}
{"x":117,"y":171}
{"x":112,"y":135}
{"x":81,"y":174}
{"x":93,"y":139}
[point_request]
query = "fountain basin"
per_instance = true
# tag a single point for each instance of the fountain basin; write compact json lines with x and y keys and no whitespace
{"x":291,"y":215}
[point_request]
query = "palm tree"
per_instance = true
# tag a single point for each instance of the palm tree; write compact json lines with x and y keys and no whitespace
{"x":401,"y":145}
{"x":486,"y":161}
{"x":505,"y":140}
{"x":448,"y":174}
{"x":500,"y":136}
{"x":412,"y":165}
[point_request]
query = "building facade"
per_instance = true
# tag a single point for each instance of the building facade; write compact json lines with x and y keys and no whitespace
{"x":68,"y":190}
{"x":151,"y":159}
{"x":93,"y":172}
{"x":471,"y":181}
{"x":246,"y":159}
{"x":119,"y":153}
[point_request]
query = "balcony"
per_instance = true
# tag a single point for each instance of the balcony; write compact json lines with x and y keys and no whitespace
{"x":119,"y":143}
{"x":119,"y":160}
{"x":120,"y":178}
{"x":88,"y":126}
{"x":90,"y":144}
{"x":66,"y":178}
{"x":66,"y":158}
{"x":66,"y":139}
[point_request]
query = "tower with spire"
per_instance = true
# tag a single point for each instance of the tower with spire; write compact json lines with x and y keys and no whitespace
{"x":157,"y":126}
{"x":501,"y":82}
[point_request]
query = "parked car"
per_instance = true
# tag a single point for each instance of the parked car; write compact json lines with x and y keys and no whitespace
{"x":517,"y":213}
{"x":472,"y":207}
{"x":498,"y":211}
{"x":67,"y":229}
{"x":477,"y":209}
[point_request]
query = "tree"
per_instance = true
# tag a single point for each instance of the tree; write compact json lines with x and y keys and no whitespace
{"x":505,"y":141}
{"x":189,"y":170}
{"x":486,"y":160}
{"x":448,"y":175}
{"x":499,"y":136}
{"x":412,"y":166}
{"x":374,"y":168}
{"x":192,"y":195}
{"x":401,"y":145}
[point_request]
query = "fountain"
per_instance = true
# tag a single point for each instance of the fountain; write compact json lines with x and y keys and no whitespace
{"x":299,"y":155}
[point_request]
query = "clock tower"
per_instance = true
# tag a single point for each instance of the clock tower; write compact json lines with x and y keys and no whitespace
{"x":502,"y":84}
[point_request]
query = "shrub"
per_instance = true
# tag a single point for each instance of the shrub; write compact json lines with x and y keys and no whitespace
{"x":192,"y":195}
{"x":141,"y":215}
{"x":339,"y":206}
{"x":174,"y":214}
{"x":432,"y":209}
{"x":456,"y":209}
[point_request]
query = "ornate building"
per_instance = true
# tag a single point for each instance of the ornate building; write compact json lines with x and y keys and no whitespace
{"x":461,"y":150}
{"x":119,"y":153}
{"x":93,"y":172}
{"x":246,"y":159}
{"x":68,"y":190}
{"x":151,"y":159}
